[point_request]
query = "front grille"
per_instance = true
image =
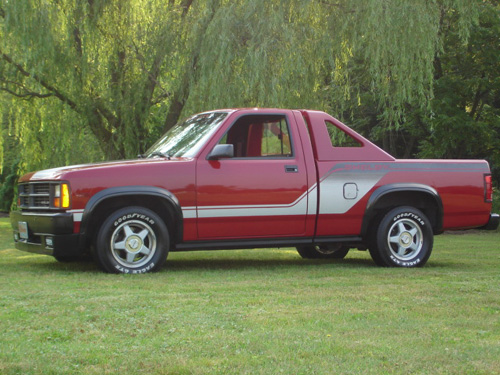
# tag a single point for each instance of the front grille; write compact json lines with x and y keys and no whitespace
{"x":36,"y":195}
{"x":41,"y":188}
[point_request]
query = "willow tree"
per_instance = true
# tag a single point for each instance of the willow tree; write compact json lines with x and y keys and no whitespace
{"x":123,"y":71}
{"x":323,"y":54}
{"x":110,"y":63}
{"x":466,"y":104}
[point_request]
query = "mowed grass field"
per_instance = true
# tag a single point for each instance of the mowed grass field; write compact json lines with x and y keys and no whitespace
{"x":254,"y":312}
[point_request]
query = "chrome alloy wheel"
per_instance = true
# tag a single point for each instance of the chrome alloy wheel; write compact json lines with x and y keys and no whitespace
{"x":405,"y":239}
{"x":133,"y":244}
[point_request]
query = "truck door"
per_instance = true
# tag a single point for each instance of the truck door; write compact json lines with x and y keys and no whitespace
{"x":261,"y":191}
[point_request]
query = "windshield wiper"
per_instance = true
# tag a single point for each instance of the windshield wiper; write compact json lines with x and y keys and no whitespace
{"x":160,"y":154}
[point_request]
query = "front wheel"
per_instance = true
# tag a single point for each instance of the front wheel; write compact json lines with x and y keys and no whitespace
{"x":132,"y":240}
{"x":403,"y":238}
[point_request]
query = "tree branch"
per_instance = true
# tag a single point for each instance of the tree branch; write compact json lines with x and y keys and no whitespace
{"x":185,"y":5}
{"x":478,"y":96}
{"x":41,"y":81}
{"x":100,"y":108}
{"x":154,"y":71}
{"x":180,"y":96}
{"x":27,"y":95}
{"x":160,"y":98}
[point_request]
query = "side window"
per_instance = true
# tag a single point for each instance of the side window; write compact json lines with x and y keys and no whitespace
{"x":339,"y":138}
{"x":259,"y":136}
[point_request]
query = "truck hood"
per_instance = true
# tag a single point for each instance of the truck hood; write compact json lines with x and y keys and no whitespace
{"x":61,"y":172}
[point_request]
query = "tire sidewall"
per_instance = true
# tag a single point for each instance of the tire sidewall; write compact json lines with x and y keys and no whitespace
{"x":384,"y":253}
{"x":103,"y":252}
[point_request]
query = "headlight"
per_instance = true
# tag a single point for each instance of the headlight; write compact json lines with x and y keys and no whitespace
{"x":61,"y":196}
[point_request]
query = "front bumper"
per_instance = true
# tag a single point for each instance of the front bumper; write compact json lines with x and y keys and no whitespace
{"x":492,"y":223}
{"x":48,"y":233}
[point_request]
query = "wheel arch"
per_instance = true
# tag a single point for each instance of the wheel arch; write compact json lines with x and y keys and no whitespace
{"x":423,"y":197}
{"x":159,"y":200}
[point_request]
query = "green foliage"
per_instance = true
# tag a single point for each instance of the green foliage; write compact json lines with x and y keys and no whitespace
{"x":496,"y":202}
{"x":8,"y":181}
{"x":261,"y":53}
{"x":97,"y":79}
{"x":454,"y":113}
{"x":9,"y":163}
{"x":99,"y":59}
{"x":394,"y":44}
{"x":466,"y":107}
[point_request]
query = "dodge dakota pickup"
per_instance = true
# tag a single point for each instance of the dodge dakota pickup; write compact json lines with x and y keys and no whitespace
{"x":250,"y":178}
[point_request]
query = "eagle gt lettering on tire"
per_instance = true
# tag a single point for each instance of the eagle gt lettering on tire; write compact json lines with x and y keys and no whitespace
{"x":403,"y":238}
{"x":132,"y":240}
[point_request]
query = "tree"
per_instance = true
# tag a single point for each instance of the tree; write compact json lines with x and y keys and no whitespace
{"x":388,"y":73}
{"x":117,"y":73}
{"x":10,"y":161}
{"x":466,"y":106}
{"x":101,"y":60}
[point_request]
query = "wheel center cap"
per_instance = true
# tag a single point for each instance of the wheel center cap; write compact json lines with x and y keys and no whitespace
{"x":406,"y":239}
{"x":133,"y":244}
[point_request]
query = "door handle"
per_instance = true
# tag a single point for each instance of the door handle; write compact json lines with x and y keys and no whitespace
{"x":291,"y":169}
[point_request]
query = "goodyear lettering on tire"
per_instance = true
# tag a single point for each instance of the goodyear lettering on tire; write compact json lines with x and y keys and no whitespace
{"x":409,"y":215}
{"x":134,"y":216}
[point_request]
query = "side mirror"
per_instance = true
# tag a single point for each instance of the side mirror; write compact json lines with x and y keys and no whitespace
{"x":221,"y":152}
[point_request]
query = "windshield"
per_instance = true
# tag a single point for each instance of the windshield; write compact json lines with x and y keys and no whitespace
{"x":186,"y":138}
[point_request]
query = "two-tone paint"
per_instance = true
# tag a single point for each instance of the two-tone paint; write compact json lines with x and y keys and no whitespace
{"x":319,"y":194}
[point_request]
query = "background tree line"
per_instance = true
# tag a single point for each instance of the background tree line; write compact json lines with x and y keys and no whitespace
{"x":89,"y":80}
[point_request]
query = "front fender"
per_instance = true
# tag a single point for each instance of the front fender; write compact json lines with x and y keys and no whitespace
{"x":132,"y":191}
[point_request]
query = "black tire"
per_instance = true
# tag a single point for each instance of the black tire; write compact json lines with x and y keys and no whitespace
{"x":132,"y":240}
{"x":403,"y":238}
{"x":323,"y":251}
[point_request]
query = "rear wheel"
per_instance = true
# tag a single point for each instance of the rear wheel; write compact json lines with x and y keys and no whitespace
{"x":403,"y":238}
{"x":336,"y":251}
{"x":132,"y":240}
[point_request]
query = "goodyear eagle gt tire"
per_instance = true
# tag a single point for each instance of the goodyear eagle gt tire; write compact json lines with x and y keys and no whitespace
{"x":132,"y":240}
{"x":403,"y":238}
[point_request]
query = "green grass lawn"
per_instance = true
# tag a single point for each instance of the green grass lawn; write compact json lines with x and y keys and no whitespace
{"x":254,"y":312}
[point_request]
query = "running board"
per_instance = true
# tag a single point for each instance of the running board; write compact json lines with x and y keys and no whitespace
{"x":263,"y":243}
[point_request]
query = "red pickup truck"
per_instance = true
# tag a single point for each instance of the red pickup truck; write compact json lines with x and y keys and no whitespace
{"x":249,"y":178}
